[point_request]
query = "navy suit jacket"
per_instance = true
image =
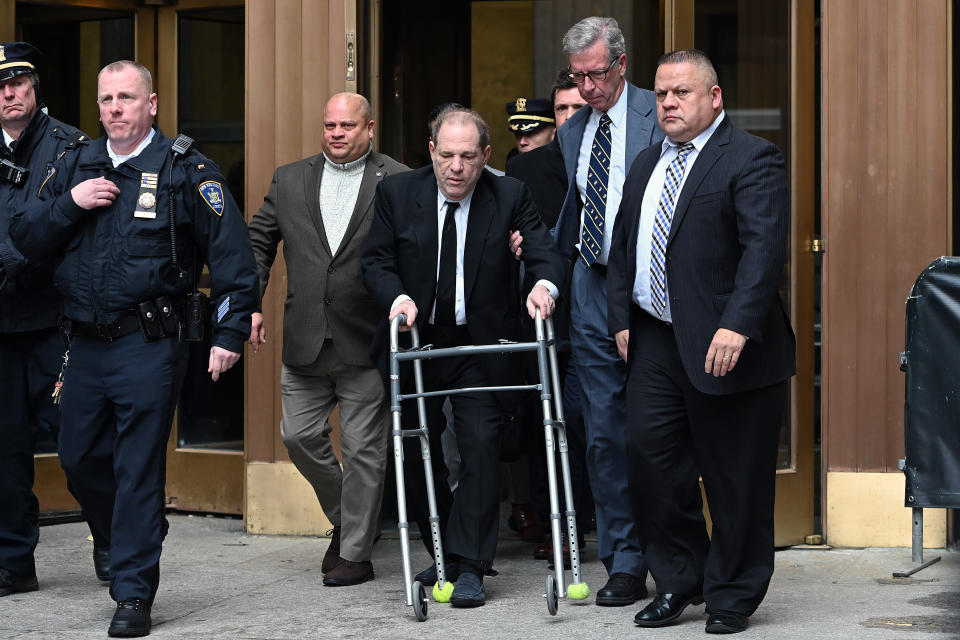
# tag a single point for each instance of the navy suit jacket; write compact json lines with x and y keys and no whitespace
{"x":725,"y":258}
{"x":642,"y":131}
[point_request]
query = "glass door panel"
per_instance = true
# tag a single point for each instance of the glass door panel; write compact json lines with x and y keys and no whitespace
{"x":764,"y":54}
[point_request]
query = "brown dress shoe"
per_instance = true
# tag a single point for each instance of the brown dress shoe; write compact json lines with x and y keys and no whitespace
{"x":349,"y":573}
{"x":523,"y":519}
{"x":332,"y":557}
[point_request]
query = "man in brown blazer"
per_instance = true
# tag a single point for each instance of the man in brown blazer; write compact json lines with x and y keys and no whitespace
{"x":321,"y":208}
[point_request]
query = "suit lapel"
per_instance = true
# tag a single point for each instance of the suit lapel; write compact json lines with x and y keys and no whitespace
{"x":639,"y":126}
{"x":372,"y":173}
{"x":478,"y":223}
{"x":313,"y":172}
{"x":570,"y":142}
{"x":425,"y":226}
{"x":708,"y":157}
{"x":646,"y":164}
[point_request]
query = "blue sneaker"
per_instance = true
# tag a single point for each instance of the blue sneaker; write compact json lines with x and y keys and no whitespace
{"x":468,"y":591}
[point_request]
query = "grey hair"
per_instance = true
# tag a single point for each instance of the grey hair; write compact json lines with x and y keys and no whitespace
{"x":462,"y":115}
{"x":585,"y":33}
{"x":120,"y":65}
{"x":695,"y":57}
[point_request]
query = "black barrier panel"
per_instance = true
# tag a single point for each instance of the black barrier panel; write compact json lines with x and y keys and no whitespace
{"x":932,"y":409}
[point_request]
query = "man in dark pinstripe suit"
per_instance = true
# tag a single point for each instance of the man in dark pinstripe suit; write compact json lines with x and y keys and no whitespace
{"x":697,"y":257}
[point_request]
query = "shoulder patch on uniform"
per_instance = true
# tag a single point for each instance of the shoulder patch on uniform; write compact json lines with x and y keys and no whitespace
{"x":212,"y":194}
{"x":223,"y":309}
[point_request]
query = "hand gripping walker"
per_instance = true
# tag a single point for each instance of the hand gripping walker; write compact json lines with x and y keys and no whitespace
{"x":545,"y":347}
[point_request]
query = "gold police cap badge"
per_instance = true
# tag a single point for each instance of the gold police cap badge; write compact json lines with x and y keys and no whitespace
{"x":521,"y":104}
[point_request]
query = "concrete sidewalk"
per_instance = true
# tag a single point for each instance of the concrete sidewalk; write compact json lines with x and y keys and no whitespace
{"x":218,"y":582}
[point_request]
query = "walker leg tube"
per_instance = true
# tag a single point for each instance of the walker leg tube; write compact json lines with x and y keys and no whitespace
{"x":402,"y":523}
{"x":428,"y":473}
{"x":546,"y":400}
{"x":572,"y":534}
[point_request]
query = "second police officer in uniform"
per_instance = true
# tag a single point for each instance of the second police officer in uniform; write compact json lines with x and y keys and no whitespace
{"x":126,"y":277}
{"x":30,"y":343}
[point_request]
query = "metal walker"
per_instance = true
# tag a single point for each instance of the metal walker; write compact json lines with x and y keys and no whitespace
{"x":545,"y":347}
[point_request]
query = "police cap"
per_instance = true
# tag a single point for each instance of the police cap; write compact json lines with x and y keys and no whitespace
{"x":526,"y":115}
{"x":17,"y":58}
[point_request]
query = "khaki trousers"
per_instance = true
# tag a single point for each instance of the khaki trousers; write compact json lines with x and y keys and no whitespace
{"x":350,"y":497}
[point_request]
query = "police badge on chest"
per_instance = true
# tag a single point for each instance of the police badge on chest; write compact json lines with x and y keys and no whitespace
{"x":147,"y":200}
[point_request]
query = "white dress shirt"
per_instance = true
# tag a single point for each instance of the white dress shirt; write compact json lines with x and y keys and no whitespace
{"x":460,"y":217}
{"x":118,"y":159}
{"x":618,"y":172}
{"x":648,"y":213}
{"x":7,"y":139}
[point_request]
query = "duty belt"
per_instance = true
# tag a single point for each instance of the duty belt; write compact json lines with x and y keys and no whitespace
{"x":119,"y":328}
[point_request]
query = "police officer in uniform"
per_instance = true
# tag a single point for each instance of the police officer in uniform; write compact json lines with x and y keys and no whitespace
{"x":30,"y":343}
{"x":135,"y":216}
{"x":531,"y":122}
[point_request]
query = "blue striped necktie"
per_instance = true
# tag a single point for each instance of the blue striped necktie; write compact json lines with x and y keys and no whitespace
{"x":661,"y":227}
{"x":595,"y":204}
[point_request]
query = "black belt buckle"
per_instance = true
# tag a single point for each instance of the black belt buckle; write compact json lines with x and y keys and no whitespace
{"x":103,"y":332}
{"x":12,"y":173}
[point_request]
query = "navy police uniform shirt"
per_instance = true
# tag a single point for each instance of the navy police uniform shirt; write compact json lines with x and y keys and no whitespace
{"x":118,"y":256}
{"x":28,"y":299}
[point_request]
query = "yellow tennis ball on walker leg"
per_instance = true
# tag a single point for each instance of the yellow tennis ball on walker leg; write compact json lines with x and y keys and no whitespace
{"x":442,"y":595}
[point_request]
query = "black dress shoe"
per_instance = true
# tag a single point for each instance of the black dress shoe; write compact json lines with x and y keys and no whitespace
{"x":12,"y":583}
{"x":666,"y":608}
{"x":101,"y":563}
{"x":622,"y":589}
{"x":726,"y":622}
{"x":131,"y":619}
{"x":332,"y":557}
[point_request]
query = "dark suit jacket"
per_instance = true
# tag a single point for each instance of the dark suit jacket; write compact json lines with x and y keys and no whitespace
{"x":543,"y":172}
{"x":324,"y":290}
{"x":401,"y":254}
{"x":725,"y":258}
{"x":642,"y":131}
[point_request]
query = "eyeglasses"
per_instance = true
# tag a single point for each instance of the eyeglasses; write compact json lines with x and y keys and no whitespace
{"x":597,"y":75}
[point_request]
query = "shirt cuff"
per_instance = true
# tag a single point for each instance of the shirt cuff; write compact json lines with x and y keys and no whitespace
{"x":400,"y":298}
{"x":554,"y":292}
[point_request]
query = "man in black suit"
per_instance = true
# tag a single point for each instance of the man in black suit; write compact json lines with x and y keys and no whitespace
{"x":697,"y":258}
{"x":436,"y":252}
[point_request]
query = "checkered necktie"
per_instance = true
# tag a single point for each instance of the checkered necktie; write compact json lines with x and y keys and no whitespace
{"x":661,"y":227}
{"x":595,"y":205}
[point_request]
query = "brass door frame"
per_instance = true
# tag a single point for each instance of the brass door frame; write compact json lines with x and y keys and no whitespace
{"x":206,"y":480}
{"x":795,"y":499}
